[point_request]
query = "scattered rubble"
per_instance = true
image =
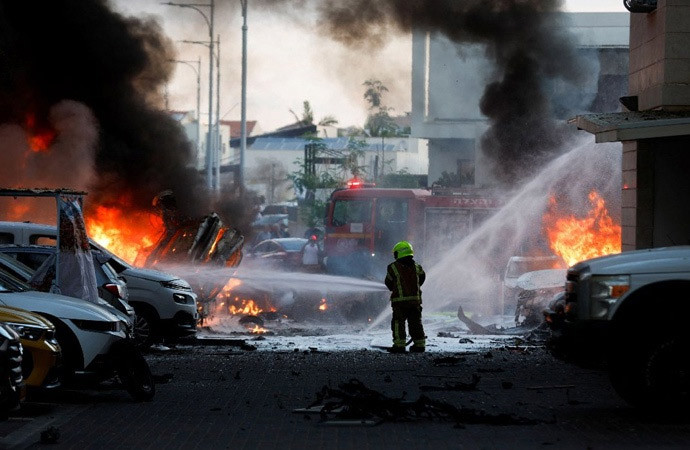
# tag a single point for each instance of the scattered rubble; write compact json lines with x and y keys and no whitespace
{"x":459,"y":386}
{"x":355,"y":404}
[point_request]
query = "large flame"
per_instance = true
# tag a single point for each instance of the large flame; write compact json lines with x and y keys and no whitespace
{"x":125,"y":232}
{"x":576,"y":239}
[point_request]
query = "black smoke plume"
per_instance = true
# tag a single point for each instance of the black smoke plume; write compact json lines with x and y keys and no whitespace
{"x":83,"y":53}
{"x":522,"y":37}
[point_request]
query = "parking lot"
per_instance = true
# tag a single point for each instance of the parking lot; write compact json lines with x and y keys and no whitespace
{"x":221,"y":396}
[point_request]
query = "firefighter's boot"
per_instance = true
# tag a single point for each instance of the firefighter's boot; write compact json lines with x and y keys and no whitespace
{"x":417,"y":349}
{"x":396,"y":349}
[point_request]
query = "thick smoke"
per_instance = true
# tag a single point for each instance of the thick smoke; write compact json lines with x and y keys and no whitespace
{"x":522,"y":38}
{"x":81,"y":53}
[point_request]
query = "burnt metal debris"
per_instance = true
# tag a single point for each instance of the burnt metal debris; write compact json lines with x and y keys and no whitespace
{"x":355,"y":404}
{"x":207,"y":240}
{"x":198,"y":241}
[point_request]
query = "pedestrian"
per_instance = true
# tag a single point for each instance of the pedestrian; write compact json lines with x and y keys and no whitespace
{"x":310,"y":255}
{"x":404,"y":278}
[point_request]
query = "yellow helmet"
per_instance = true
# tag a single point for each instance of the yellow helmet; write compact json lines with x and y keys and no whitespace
{"x":402,"y":249}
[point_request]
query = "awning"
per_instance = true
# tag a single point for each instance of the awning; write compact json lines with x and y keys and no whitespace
{"x":630,"y":126}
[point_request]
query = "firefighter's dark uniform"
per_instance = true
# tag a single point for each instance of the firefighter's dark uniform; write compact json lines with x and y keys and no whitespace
{"x":404,"y":278}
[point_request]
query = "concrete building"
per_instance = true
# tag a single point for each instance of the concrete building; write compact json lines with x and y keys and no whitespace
{"x":655,"y":129}
{"x":448,"y":82}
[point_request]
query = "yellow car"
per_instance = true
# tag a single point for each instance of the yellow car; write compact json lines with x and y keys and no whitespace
{"x":42,"y":356}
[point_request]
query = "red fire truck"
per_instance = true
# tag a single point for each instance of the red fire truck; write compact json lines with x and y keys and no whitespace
{"x":362,"y":224}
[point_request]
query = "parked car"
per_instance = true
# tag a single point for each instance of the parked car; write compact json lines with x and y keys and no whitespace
{"x":12,"y":387}
{"x":164,"y":304}
{"x":629,"y":311}
{"x":281,"y":253}
{"x":111,"y":288}
{"x":92,"y":339}
{"x":41,"y":358}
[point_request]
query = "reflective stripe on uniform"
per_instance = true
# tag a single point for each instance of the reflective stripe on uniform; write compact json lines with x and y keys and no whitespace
{"x":398,"y":283}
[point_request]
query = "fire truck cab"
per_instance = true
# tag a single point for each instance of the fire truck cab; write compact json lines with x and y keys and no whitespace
{"x":363,"y":224}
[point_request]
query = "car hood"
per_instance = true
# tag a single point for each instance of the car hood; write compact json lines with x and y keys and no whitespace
{"x":18,"y":315}
{"x":148,"y":274}
{"x":655,"y":260}
{"x":542,"y":279}
{"x":56,"y":305}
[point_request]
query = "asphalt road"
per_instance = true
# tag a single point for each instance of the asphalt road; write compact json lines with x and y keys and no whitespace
{"x":214,"y":396}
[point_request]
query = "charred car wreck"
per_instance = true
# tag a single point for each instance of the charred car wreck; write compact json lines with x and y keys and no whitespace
{"x":185,"y":239}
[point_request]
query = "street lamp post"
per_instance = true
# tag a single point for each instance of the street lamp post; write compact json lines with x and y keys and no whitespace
{"x":197,"y":70}
{"x":215,"y":136}
{"x":218,"y":138}
{"x":243,"y":135}
{"x":196,"y":7}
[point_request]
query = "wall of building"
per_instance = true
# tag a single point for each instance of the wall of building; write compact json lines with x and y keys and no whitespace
{"x":660,"y":56}
{"x":656,"y":189}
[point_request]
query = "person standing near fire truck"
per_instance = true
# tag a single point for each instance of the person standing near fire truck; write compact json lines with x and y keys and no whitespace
{"x":404,"y":278}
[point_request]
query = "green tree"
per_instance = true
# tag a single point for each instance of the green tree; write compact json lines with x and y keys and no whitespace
{"x":374,"y":92}
{"x":307,"y":117}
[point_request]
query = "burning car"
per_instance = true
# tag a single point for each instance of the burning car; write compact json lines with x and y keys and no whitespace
{"x":535,"y":290}
{"x":518,"y":266}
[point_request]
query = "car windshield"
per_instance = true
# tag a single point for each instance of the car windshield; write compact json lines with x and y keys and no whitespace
{"x":351,"y":211}
{"x":8,"y":283}
{"x":293,"y":245}
{"x":16,"y":268}
{"x":518,"y":267}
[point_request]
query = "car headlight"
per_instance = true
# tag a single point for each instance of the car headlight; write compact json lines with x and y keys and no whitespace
{"x":29,"y":332}
{"x":99,"y":326}
{"x":178,"y":285}
{"x":182,"y":299}
{"x":605,"y":291}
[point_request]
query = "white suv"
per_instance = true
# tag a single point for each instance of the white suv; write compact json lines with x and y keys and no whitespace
{"x":165,"y":304}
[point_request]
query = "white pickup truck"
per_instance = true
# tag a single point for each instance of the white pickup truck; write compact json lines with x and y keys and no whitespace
{"x":631,"y":311}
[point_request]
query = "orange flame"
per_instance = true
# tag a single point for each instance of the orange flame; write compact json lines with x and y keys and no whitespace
{"x":125,"y":232}
{"x":323,"y":306}
{"x":258,"y":330}
{"x":248,"y":307}
{"x":576,"y":239}
{"x":39,"y":139}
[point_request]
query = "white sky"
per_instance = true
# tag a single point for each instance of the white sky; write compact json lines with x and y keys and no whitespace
{"x":288,"y":64}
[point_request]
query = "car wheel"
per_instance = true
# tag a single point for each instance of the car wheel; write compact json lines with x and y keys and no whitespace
{"x":655,"y":374}
{"x":135,"y":375}
{"x":143,"y":329}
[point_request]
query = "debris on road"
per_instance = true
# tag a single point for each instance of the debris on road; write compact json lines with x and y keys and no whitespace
{"x":355,"y":404}
{"x":459,"y":386}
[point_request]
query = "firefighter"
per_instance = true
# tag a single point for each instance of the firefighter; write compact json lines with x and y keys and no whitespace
{"x":404,"y":278}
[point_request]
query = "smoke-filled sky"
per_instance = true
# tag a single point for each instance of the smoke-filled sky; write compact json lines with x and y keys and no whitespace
{"x":94,"y":78}
{"x":290,"y":61}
